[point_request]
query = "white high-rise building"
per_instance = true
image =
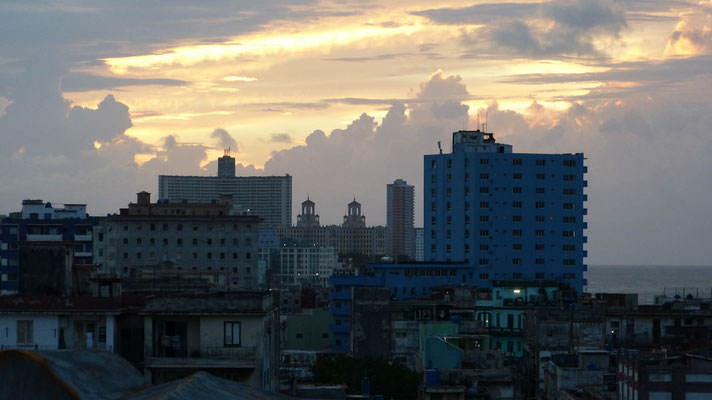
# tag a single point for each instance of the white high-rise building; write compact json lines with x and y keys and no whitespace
{"x":268,"y":197}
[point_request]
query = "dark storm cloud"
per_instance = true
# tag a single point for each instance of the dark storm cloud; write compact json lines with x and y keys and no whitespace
{"x":83,"y":82}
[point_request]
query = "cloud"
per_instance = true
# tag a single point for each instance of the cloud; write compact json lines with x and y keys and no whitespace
{"x":558,"y":28}
{"x":84,"y":82}
{"x":281,"y":138}
{"x":366,"y":155}
{"x":224,"y":139}
{"x":692,"y":35}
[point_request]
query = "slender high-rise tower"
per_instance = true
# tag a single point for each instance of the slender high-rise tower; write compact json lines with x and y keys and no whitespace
{"x":400,"y":237}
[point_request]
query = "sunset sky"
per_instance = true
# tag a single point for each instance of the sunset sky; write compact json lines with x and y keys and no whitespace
{"x":99,"y":97}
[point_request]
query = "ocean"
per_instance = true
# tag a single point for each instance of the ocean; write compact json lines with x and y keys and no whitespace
{"x":649,"y":281}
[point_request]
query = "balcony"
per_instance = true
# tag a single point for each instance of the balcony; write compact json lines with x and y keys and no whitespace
{"x":207,"y":357}
{"x":343,"y":328}
{"x":342,"y":295}
{"x":83,"y":237}
{"x":342,"y":310}
{"x":44,"y":237}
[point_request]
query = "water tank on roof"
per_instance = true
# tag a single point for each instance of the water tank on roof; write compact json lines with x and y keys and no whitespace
{"x":48,"y":205}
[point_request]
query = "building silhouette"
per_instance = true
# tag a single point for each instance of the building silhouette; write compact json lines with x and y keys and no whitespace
{"x":399,"y":214}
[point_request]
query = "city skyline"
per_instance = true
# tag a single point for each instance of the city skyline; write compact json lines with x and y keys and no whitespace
{"x":98,"y":100}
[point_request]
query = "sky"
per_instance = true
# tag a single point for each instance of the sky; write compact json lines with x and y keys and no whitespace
{"x":97,"y":98}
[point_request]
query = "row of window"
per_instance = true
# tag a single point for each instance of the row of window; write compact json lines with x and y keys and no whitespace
{"x":179,"y":241}
{"x":516,"y":162}
{"x":179,"y":227}
{"x":517,"y":176}
{"x":208,"y":256}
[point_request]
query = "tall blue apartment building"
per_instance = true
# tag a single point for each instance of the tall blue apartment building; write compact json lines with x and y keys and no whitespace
{"x":511,"y":216}
{"x":42,"y":223}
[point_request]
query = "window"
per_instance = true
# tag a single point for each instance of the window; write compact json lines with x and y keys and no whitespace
{"x":517,"y":161}
{"x":449,"y":163}
{"x":517,"y":204}
{"x":569,"y":163}
{"x":210,"y":256}
{"x":539,"y":261}
{"x":569,"y":192}
{"x":484,"y":175}
{"x":449,"y":220}
{"x":484,"y":261}
{"x":517,"y":176}
{"x":517,"y":246}
{"x":25,"y":333}
{"x":517,"y":261}
{"x":433,"y":164}
{"x":540,"y":163}
{"x":516,"y":275}
{"x":570,"y":261}
{"x":433,"y":192}
{"x":539,"y":218}
{"x":539,"y":275}
{"x":516,"y":218}
{"x":569,"y":220}
{"x":540,"y":232}
{"x":484,"y":276}
{"x":516,"y":232}
{"x":569,"y":178}
{"x":449,"y":233}
{"x":540,"y":190}
{"x":539,"y":247}
{"x":540,"y":176}
{"x":467,"y":233}
{"x":484,"y":218}
{"x":484,"y":247}
{"x":569,"y":247}
{"x":484,"y":190}
{"x":138,"y":241}
{"x":210,"y":242}
{"x":540,"y":204}
{"x":484,"y":233}
{"x":449,"y":206}
{"x":569,"y":206}
{"x":449,"y":177}
{"x":126,"y":240}
{"x":232,"y":334}
{"x":180,"y":227}
{"x":195,"y":241}
{"x":179,"y":241}
{"x":517,"y":190}
{"x":570,"y":276}
{"x":484,"y":161}
{"x":138,"y":255}
{"x":484,"y":204}
{"x":568,"y":233}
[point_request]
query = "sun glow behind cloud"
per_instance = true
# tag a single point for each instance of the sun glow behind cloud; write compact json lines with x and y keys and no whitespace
{"x":256,"y":46}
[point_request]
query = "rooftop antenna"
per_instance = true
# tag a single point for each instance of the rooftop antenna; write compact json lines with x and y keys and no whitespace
{"x":226,"y":152}
{"x":478,"y":120}
{"x":440,"y":148}
{"x":484,"y":126}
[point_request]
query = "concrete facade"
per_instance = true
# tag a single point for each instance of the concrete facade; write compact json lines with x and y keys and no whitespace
{"x":509,"y":215}
{"x":214,"y":245}
{"x":400,"y":213}
{"x":269,"y":197}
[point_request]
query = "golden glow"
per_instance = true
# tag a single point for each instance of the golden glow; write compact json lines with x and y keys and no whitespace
{"x":256,"y":46}
{"x":239,"y":79}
